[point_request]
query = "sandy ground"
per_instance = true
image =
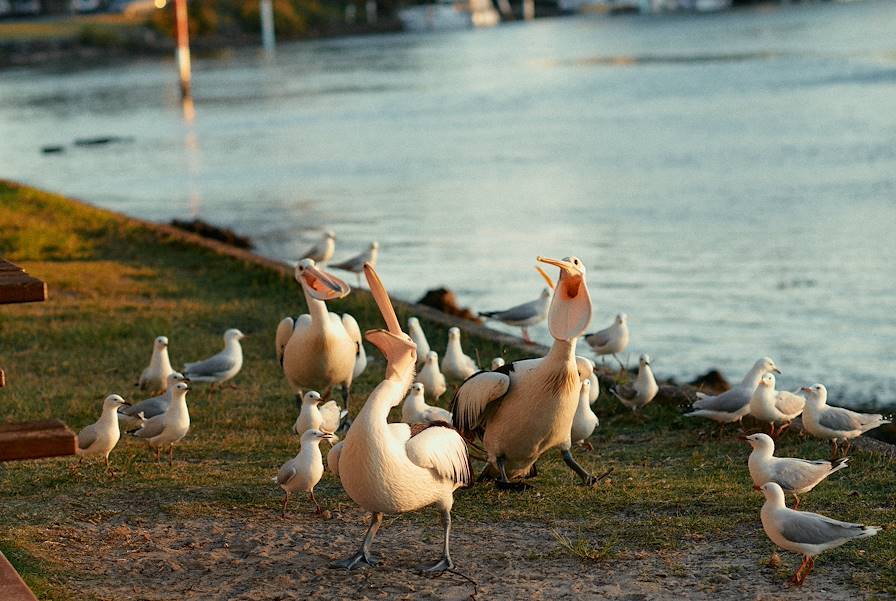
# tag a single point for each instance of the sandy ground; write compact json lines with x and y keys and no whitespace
{"x":264,"y":556}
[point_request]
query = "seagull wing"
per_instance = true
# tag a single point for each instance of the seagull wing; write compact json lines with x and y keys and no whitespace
{"x":729,"y":401}
{"x":789,"y":403}
{"x":475,"y":395}
{"x":839,"y":419}
{"x":284,"y":333}
{"x":210,"y":368}
{"x":794,"y":474}
{"x":152,"y":427}
{"x":286,"y":473}
{"x":330,"y":413}
{"x":599,"y":338}
{"x":808,"y":528}
{"x":149,"y":408}
{"x":520,"y":312}
{"x":87,"y":437}
{"x":442,"y":450}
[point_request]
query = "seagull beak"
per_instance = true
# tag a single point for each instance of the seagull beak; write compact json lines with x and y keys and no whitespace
{"x":776,"y":370}
{"x":743,"y":437}
{"x":329,"y":436}
{"x":570,"y":310}
{"x":186,"y":380}
{"x":125,"y":403}
{"x":322,"y":285}
{"x":806,"y":389}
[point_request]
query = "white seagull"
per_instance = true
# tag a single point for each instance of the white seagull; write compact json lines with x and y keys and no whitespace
{"x":775,"y":407}
{"x":584,"y":422}
{"x":733,"y":404}
{"x":523,"y":315}
{"x":99,"y":438}
{"x":835,"y":423}
{"x":794,"y":476}
{"x":455,"y":364}
{"x":304,"y":471}
{"x":130,"y":416}
{"x":314,"y":416}
{"x":432,"y":379}
{"x":356,"y":264}
{"x":221,"y":367}
{"x":169,"y":428}
{"x":155,"y":376}
{"x":414,"y":410}
{"x":642,"y":391}
{"x":803,"y":532}
{"x":322,"y":251}
{"x":415,"y":331}
{"x":392,"y":468}
{"x":611,"y":340}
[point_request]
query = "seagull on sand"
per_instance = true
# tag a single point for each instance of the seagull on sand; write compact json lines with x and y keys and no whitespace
{"x":169,"y":428}
{"x":794,"y":476}
{"x":642,"y":391}
{"x":775,"y":407}
{"x":322,"y":251}
{"x":356,"y":264}
{"x":129,"y":416}
{"x":803,"y":532}
{"x":456,"y":364}
{"x":432,"y":379}
{"x":584,"y":423}
{"x":414,"y":410}
{"x":393,"y":468}
{"x":611,"y":340}
{"x":415,"y":331}
{"x":155,"y":376}
{"x":314,"y":416}
{"x":835,"y":423}
{"x":219,"y":368}
{"x":304,"y":471}
{"x":99,"y":438}
{"x":733,"y":404}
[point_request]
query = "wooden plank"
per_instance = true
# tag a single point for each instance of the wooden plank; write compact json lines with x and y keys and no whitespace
{"x":35,"y":440}
{"x":2,"y":378}
{"x":16,"y":286}
{"x":12,"y":587}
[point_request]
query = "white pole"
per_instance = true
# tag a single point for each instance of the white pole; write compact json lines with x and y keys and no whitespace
{"x":183,"y":47}
{"x":268,"y":40}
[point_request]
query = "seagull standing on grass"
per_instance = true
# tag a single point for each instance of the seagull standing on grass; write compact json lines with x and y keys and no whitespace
{"x":775,"y":407}
{"x":323,"y":249}
{"x":356,"y":264}
{"x":314,"y":416}
{"x":456,"y":364}
{"x":584,"y":423}
{"x":99,"y":438}
{"x":415,"y":331}
{"x":304,"y":471}
{"x":129,"y":416}
{"x":432,"y":379}
{"x":155,"y":376}
{"x":644,"y":389}
{"x":612,"y":340}
{"x":169,"y":428}
{"x":794,"y":476}
{"x":733,"y":404}
{"x":835,"y":423}
{"x":803,"y":532}
{"x":219,"y":368}
{"x":414,"y":410}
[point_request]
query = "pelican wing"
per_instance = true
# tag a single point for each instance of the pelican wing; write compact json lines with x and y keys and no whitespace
{"x":475,"y":395}
{"x":400,"y":431}
{"x":333,"y":458}
{"x":284,"y":333}
{"x":351,"y":326}
{"x":212,"y":367}
{"x":286,"y":473}
{"x":813,"y":529}
{"x":442,"y":450}
{"x":87,"y":437}
{"x":789,"y":403}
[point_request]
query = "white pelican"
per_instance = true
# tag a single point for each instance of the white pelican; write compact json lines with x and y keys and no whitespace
{"x":432,"y":379}
{"x":305,"y":470}
{"x":644,"y":389}
{"x":314,"y":416}
{"x":169,"y":428}
{"x":803,"y":532}
{"x":733,"y":404}
{"x":835,"y":423}
{"x":611,"y":340}
{"x":155,"y":376}
{"x":795,"y":476}
{"x":414,"y":410}
{"x":319,"y":350}
{"x":390,"y":468}
{"x":356,"y":264}
{"x":584,"y":422}
{"x":221,"y":367}
{"x":323,"y":249}
{"x":415,"y":331}
{"x":455,"y":363}
{"x":99,"y":438}
{"x":775,"y":407}
{"x":527,"y":407}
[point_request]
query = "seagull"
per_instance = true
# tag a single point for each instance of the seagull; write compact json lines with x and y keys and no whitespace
{"x":497,"y":362}
{"x":524,"y":315}
{"x":584,"y":422}
{"x":775,"y":407}
{"x":314,"y":416}
{"x":169,"y":428}
{"x":835,"y":423}
{"x":356,"y":264}
{"x":219,"y":368}
{"x":322,"y":251}
{"x":527,"y":407}
{"x":393,"y":468}
{"x":99,"y":438}
{"x":455,"y":364}
{"x":432,"y":379}
{"x":129,"y":416}
{"x":319,"y":350}
{"x":305,"y":470}
{"x":803,"y":532}
{"x":415,"y":331}
{"x":794,"y":476}
{"x":586,"y":370}
{"x":414,"y":410}
{"x":611,"y":340}
{"x":636,"y":396}
{"x":733,"y":404}
{"x":156,"y":374}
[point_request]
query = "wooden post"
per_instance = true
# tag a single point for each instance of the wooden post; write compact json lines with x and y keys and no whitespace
{"x":268,"y":40}
{"x":183,"y":47}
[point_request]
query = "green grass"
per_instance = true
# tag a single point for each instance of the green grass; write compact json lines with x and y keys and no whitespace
{"x":114,"y":285}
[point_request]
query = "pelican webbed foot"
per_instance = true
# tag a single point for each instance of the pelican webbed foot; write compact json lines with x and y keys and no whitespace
{"x":363,"y":554}
{"x":512,"y":486}
{"x":443,"y":564}
{"x":587,"y":479}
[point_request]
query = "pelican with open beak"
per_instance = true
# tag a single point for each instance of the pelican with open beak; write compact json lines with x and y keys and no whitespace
{"x":318,"y":349}
{"x":526,"y":408}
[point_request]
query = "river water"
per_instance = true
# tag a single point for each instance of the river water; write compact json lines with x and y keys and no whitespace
{"x":728,"y":179}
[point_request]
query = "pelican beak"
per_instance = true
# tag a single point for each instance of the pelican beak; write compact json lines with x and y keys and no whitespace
{"x":546,"y":277}
{"x":570,"y":311}
{"x":322,"y":285}
{"x":393,"y":342}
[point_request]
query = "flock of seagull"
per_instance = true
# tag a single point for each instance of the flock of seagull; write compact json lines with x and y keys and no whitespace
{"x":508,"y":415}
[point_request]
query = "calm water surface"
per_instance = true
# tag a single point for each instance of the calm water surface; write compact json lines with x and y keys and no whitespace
{"x":729,"y":180}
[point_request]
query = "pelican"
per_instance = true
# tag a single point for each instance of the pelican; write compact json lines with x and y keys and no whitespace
{"x":611,"y":340}
{"x":314,"y":416}
{"x":391,"y":468}
{"x":835,"y":423}
{"x":356,"y":264}
{"x":636,"y":396}
{"x":414,"y":410}
{"x":319,"y":350}
{"x":155,"y":377}
{"x":432,"y":379}
{"x":775,"y":407}
{"x":323,"y":249}
{"x":527,"y":407}
{"x":419,"y":337}
{"x":456,"y":364}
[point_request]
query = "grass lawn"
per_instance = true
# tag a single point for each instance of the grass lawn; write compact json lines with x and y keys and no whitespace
{"x":679,"y":497}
